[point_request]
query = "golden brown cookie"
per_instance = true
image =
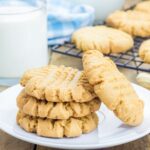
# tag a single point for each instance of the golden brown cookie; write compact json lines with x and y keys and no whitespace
{"x":111,"y":86}
{"x":144,"y":51}
{"x":135,"y":23}
{"x":43,"y":109}
{"x":143,"y":6}
{"x":35,"y":72}
{"x":105,"y":39}
{"x":60,"y":84}
{"x":58,"y":128}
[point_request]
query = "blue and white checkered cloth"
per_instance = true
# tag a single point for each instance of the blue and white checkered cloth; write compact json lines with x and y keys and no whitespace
{"x":64,"y":18}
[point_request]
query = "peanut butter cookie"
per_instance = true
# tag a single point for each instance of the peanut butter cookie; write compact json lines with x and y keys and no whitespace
{"x":105,"y":39}
{"x":111,"y":86}
{"x":58,"y":84}
{"x":72,"y":127}
{"x":35,"y":72}
{"x":144,"y":51}
{"x":43,"y":109}
{"x":143,"y":6}
{"x":136,"y":23}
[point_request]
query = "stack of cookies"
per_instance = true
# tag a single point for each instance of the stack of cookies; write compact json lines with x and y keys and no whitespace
{"x":57,"y":102}
{"x":61,"y":101}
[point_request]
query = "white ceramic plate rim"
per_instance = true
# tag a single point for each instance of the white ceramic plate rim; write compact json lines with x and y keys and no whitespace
{"x":116,"y":141}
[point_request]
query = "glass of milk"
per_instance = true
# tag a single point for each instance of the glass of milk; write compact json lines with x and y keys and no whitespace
{"x":23,"y":37}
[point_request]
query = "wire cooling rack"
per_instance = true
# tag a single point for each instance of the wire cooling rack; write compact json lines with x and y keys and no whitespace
{"x":129,"y":59}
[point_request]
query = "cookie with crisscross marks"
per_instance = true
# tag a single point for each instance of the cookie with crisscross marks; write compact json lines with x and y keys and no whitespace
{"x":111,"y":86}
{"x":72,"y":127}
{"x":35,"y":72}
{"x":58,"y":84}
{"x":134,"y":22}
{"x":44,"y":109}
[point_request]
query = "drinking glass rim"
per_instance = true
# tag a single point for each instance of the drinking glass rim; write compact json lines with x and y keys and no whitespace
{"x":42,"y":5}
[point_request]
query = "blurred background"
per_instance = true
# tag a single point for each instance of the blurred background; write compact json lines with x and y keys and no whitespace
{"x":63,"y":18}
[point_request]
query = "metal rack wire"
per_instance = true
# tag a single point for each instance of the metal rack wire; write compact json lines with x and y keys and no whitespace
{"x":129,"y":59}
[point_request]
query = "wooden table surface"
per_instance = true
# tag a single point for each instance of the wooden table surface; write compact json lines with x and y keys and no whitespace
{"x":8,"y":142}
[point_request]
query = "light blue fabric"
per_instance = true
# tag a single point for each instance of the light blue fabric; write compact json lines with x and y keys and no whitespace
{"x":64,"y":18}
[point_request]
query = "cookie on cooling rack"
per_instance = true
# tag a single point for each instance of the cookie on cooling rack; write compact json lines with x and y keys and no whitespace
{"x":143,"y":6}
{"x":111,"y":86}
{"x":135,"y":23}
{"x":144,"y":51}
{"x":105,"y":39}
{"x":43,"y":109}
{"x":72,"y":127}
{"x":58,"y":84}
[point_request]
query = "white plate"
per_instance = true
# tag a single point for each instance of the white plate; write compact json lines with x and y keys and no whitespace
{"x":111,"y":131}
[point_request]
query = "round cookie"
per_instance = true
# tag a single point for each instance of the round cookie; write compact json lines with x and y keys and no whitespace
{"x":35,"y":72}
{"x":144,"y":51}
{"x":43,"y":109}
{"x":58,"y":128}
{"x":59,"y":84}
{"x":135,"y":23}
{"x":112,"y":87}
{"x":143,"y":6}
{"x":105,"y":39}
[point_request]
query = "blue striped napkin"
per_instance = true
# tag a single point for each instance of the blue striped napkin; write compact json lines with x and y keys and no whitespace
{"x":64,"y":18}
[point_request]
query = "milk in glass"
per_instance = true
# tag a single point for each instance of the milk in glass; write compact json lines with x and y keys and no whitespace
{"x":23,"y":39}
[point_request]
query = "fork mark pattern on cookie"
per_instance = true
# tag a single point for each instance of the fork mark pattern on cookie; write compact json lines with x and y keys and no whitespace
{"x":58,"y":128}
{"x":59,"y":84}
{"x":111,"y":86}
{"x":134,"y":22}
{"x":43,"y":109}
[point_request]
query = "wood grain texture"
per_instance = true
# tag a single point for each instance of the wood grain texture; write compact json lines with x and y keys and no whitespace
{"x":8,"y":142}
{"x":45,"y":148}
